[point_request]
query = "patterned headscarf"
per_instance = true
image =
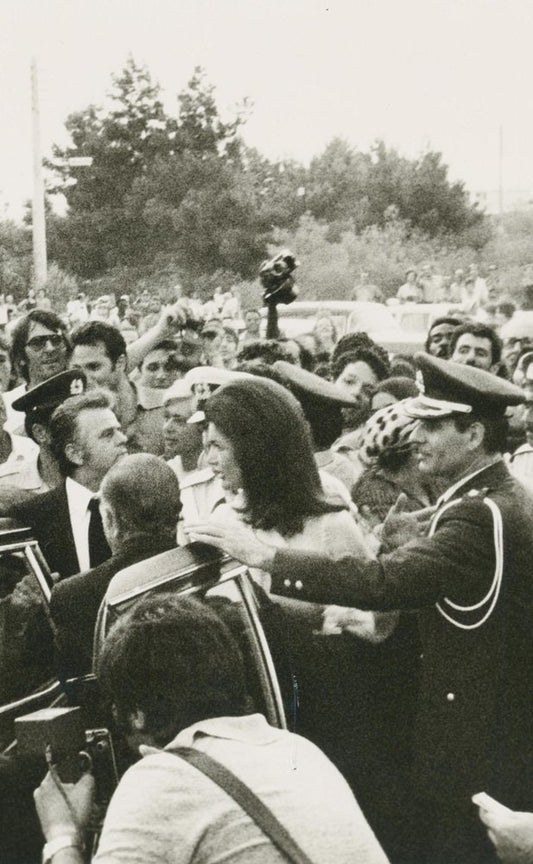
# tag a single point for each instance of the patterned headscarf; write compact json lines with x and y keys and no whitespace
{"x":387,"y":429}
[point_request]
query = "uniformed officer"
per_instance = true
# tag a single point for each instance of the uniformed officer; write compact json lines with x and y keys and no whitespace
{"x":470,"y":579}
{"x":31,"y":466}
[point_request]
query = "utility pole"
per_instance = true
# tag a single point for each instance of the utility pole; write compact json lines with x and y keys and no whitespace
{"x":37,"y":216}
{"x":500,"y":177}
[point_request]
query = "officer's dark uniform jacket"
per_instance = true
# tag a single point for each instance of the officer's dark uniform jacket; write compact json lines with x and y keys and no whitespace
{"x":475,"y":719}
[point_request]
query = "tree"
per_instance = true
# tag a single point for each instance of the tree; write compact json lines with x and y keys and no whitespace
{"x":349,"y":189}
{"x":157,"y":183}
{"x":15,"y":260}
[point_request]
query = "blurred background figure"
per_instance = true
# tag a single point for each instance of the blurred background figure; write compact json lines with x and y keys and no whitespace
{"x":182,"y":440}
{"x":104,"y":309}
{"x":439,"y":336}
{"x":229,"y":347}
{"x":211,"y":336}
{"x":521,"y":461}
{"x":410,"y":291}
{"x":252,"y":326}
{"x":325,"y":334}
{"x":157,"y":372}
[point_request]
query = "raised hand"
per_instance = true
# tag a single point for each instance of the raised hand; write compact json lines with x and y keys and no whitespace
{"x":401,"y":526}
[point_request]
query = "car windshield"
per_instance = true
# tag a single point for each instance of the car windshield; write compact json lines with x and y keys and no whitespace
{"x":378,"y":318}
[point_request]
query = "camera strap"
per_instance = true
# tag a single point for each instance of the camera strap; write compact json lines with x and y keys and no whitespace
{"x":248,"y":800}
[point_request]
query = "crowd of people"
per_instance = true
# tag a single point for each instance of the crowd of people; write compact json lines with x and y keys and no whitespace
{"x":383,"y":504}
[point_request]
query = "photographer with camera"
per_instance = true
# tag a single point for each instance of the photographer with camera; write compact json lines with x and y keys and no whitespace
{"x":176,"y":679}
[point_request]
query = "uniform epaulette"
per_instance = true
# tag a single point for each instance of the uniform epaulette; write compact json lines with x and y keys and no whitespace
{"x":478,"y":493}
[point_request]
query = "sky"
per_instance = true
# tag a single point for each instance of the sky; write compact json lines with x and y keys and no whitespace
{"x":439,"y":74}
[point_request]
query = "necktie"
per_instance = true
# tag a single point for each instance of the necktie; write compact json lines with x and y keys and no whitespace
{"x":99,"y":550}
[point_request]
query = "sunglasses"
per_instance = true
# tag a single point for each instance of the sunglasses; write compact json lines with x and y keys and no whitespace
{"x":39,"y":343}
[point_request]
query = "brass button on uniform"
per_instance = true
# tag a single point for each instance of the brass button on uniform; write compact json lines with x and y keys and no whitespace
{"x":450,"y":697}
{"x":298,"y":585}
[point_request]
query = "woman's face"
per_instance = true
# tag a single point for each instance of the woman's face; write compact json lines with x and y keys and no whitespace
{"x":221,"y":459}
{"x":228,"y":347}
{"x":359,"y":379}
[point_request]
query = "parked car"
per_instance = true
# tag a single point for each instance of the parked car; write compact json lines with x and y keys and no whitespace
{"x":417,"y":318}
{"x":400,"y":328}
{"x":195,"y":569}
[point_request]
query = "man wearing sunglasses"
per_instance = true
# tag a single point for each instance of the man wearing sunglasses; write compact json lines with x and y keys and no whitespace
{"x":39,"y":349}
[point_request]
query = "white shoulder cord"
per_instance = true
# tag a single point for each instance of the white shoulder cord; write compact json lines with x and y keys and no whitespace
{"x":494,"y":591}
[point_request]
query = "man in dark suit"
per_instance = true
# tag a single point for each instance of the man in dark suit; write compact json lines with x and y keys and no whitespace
{"x":470,"y":580}
{"x":140,"y":505}
{"x":86,"y":439}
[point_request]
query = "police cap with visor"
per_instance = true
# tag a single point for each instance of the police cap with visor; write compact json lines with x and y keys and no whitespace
{"x":451,"y":388}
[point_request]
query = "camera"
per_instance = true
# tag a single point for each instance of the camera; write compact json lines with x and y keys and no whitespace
{"x":60,"y":735}
{"x":277,"y":279}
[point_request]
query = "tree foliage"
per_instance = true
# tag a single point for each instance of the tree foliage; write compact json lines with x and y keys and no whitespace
{"x":15,"y":259}
{"x":183,"y":189}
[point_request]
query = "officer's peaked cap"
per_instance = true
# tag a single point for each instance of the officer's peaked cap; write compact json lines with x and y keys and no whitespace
{"x":451,"y":388}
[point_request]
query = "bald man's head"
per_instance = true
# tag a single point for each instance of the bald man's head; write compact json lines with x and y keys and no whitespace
{"x":140,"y":495}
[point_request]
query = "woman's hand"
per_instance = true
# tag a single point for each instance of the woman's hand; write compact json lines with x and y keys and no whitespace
{"x":236,"y":540}
{"x":54,"y":813}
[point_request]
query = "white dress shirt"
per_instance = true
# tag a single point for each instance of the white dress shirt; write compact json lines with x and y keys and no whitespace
{"x":78,"y":498}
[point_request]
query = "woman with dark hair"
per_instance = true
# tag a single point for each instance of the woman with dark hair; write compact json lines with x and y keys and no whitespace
{"x":392,"y":390}
{"x":259,"y":445}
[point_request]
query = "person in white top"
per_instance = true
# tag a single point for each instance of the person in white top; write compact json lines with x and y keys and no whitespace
{"x":176,"y":678}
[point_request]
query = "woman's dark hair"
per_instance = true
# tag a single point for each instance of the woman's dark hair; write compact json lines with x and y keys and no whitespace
{"x":371,"y":357}
{"x":398,"y":386}
{"x":175,"y":660}
{"x":272,"y":446}
{"x":266,"y":350}
{"x":355,"y":342}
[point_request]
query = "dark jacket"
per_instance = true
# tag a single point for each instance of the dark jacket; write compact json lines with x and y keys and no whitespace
{"x":75,"y":602}
{"x":48,"y":517}
{"x":475,"y":718}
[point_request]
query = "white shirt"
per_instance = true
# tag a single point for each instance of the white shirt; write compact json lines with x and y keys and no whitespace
{"x":78,"y":498}
{"x":521,"y":466}
{"x":164,"y":810}
{"x":20,"y":468}
{"x":14,"y":419}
